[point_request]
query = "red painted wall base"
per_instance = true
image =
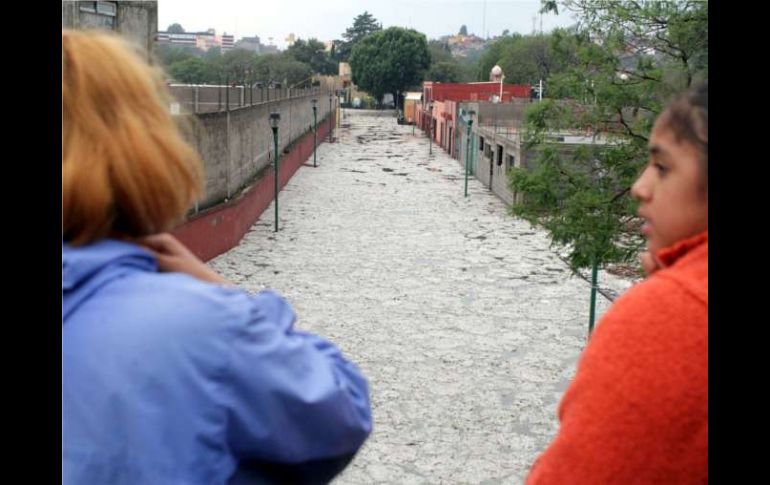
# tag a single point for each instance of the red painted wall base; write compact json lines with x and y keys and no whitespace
{"x":221,"y":228}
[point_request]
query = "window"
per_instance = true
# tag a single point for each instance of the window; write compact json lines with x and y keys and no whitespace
{"x":511,"y":161}
{"x":499,"y":155}
{"x":107,"y":8}
{"x":98,"y":14}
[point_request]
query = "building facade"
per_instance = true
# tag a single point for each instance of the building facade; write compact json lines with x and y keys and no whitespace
{"x":201,"y":40}
{"x":136,"y":20}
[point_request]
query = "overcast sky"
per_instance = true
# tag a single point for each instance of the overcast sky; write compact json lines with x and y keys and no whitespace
{"x":327,"y":20}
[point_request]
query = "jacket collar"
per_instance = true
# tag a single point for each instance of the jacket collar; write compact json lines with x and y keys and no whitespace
{"x":670,"y":255}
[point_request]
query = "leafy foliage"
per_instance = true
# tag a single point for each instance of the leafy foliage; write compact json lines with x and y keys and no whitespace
{"x":524,"y":59}
{"x":616,"y":70}
{"x":312,"y":53}
{"x":390,"y":61}
{"x":363,"y":25}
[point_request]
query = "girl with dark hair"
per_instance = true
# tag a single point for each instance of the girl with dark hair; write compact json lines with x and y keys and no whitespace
{"x":637,"y":409}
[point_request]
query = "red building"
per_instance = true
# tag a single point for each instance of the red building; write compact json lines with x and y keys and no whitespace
{"x":481,"y":91}
{"x":445,"y":98}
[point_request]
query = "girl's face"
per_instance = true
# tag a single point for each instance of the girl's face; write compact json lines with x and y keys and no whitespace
{"x":671,"y":190}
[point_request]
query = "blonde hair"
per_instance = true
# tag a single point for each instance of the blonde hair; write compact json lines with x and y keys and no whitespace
{"x":126,"y":169}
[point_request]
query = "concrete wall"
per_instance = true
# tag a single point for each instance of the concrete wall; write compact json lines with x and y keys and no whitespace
{"x":503,"y":115}
{"x":138,"y":21}
{"x":134,"y":20}
{"x":488,"y":171}
{"x":495,"y":176}
{"x":219,"y":229}
{"x":194,"y":98}
{"x":237,"y":145}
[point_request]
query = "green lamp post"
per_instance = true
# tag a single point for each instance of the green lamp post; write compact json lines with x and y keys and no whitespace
{"x":430,"y":128}
{"x":469,"y":121}
{"x":314,"y":102}
{"x":275,"y":118}
{"x":331,"y":96}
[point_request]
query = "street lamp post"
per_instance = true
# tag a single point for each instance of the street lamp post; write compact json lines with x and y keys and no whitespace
{"x":430,"y":128}
{"x":314,"y":102}
{"x":330,"y":117}
{"x":344,"y":102}
{"x":337,"y":111}
{"x":251,"y":88}
{"x":275,"y":118}
{"x":469,"y":120}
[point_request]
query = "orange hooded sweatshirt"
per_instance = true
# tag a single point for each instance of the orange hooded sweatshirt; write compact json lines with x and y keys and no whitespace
{"x":637,"y":409}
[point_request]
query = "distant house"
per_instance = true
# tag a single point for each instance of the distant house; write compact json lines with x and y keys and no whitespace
{"x":463,"y":45}
{"x":445,"y":99}
{"x":202,"y":40}
{"x":250,"y":44}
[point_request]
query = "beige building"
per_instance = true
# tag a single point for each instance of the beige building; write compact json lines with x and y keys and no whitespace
{"x":136,"y":20}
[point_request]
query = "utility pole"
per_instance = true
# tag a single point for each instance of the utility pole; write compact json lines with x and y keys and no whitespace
{"x":484,"y":21}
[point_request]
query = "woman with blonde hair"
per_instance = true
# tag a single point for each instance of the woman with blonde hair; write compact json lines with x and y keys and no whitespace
{"x":170,"y":373}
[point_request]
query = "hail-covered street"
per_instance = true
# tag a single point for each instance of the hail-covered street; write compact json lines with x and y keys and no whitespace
{"x":466,"y":324}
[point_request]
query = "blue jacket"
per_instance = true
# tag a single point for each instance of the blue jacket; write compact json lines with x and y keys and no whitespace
{"x":170,"y":380}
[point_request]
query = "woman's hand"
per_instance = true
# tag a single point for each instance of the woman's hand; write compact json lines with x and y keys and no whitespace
{"x":173,"y":256}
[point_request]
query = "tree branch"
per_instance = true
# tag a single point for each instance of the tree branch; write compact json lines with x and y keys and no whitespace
{"x":620,"y":194}
{"x":628,"y":128}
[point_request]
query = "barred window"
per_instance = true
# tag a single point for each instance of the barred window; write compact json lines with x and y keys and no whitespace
{"x":511,"y":161}
{"x":88,"y":7}
{"x":107,"y":8}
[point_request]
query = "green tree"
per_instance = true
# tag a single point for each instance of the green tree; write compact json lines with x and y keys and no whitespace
{"x":239,"y":65}
{"x":314,"y":54}
{"x":168,"y":54}
{"x":439,"y":51}
{"x":444,"y":72}
{"x":215,"y":66}
{"x":443,"y":67}
{"x":192,"y":70}
{"x":363,"y":25}
{"x":530,"y":59}
{"x":623,"y":63}
{"x":213,"y":52}
{"x":463,"y":30}
{"x":390,"y":61}
{"x":281,"y":68}
{"x":493,"y":54}
{"x":469,"y":66}
{"x":524,"y":59}
{"x":175,"y":29}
